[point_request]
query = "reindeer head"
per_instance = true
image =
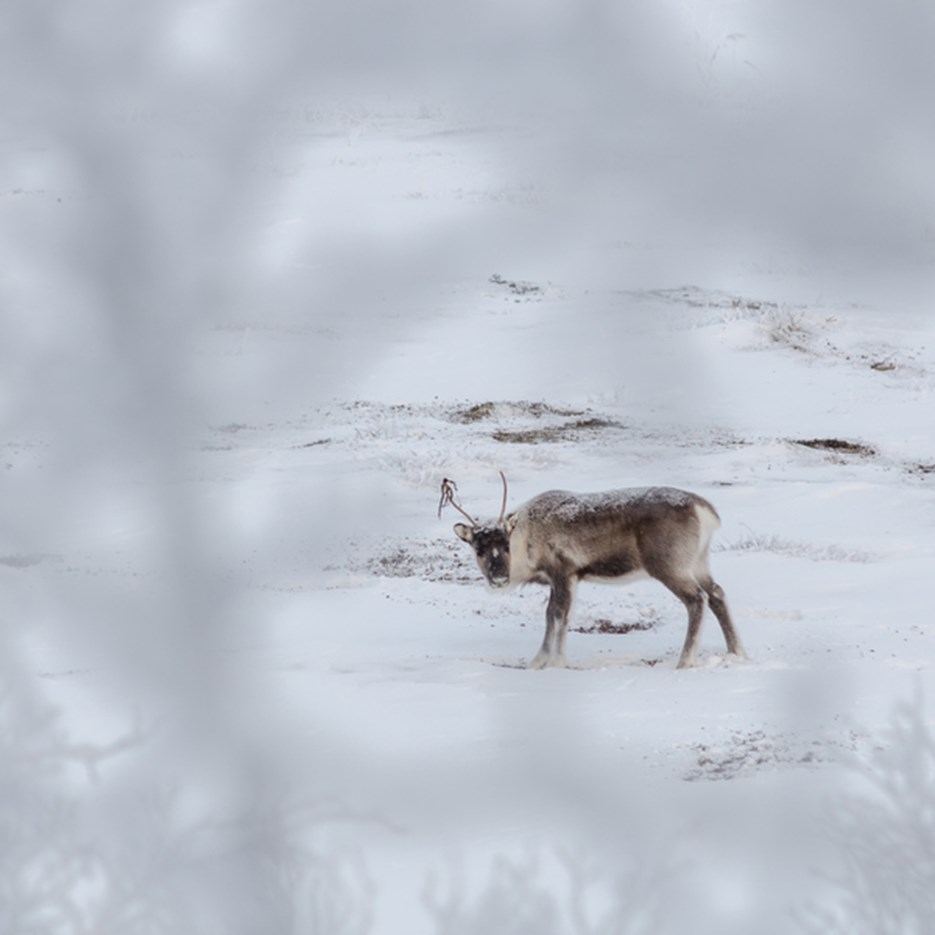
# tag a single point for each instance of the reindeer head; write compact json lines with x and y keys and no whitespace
{"x":491,"y":543}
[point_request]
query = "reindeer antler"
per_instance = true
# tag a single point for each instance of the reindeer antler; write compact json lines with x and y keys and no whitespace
{"x":449,"y":491}
{"x":502,"y":508}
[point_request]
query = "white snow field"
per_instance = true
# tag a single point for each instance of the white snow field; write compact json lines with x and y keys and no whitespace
{"x":269,"y":277}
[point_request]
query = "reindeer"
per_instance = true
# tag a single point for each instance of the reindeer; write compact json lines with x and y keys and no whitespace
{"x":560,"y":538}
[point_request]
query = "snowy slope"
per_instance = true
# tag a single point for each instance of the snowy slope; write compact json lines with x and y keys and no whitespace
{"x":251,"y":682}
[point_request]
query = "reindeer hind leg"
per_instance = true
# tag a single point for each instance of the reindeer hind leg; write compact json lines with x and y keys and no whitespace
{"x":717,"y":601}
{"x":694,"y":597}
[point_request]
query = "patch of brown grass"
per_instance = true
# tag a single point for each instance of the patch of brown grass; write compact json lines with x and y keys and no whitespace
{"x":838,"y":446}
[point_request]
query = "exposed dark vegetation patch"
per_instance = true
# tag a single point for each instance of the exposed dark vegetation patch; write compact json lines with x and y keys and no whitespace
{"x":603,"y":625}
{"x":393,"y":408}
{"x":892,"y":362}
{"x":473,"y":413}
{"x":427,"y":560}
{"x":489,"y":410}
{"x":745,"y":753}
{"x":751,"y":305}
{"x":694,"y":297}
{"x":789,"y":329}
{"x":314,"y":444}
{"x":399,"y":563}
{"x":838,"y":446}
{"x":516,"y":287}
{"x":742,"y":754}
{"x":567,"y":431}
{"x":921,"y":469}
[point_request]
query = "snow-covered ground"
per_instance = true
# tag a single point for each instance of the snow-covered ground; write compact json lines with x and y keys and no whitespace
{"x":250,"y":682}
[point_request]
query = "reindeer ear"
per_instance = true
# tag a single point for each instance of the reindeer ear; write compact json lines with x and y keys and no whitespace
{"x":464,"y":532}
{"x":509,"y":524}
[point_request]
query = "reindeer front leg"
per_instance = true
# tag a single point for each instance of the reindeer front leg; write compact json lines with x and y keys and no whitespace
{"x":552,"y":652}
{"x":695,"y":599}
